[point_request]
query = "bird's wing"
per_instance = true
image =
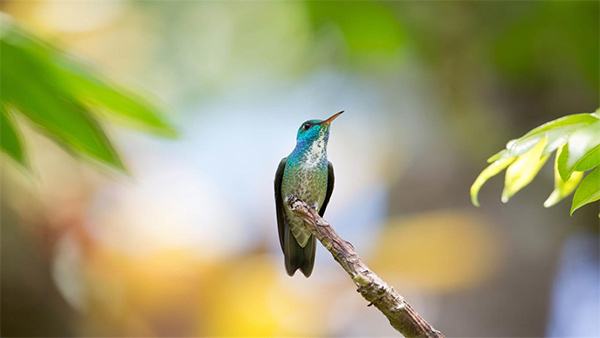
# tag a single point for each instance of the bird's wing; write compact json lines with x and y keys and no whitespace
{"x":330,"y":181}
{"x":281,"y":226}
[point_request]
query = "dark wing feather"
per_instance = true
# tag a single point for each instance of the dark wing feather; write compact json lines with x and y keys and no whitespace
{"x":330,"y":182}
{"x":281,"y":226}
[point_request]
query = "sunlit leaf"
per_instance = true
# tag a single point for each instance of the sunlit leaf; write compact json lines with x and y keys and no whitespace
{"x":588,"y":191}
{"x":522,"y":171}
{"x":580,"y":143}
{"x":10,"y":140}
{"x":563,"y":122}
{"x":562,"y":188}
{"x":496,"y":156}
{"x":487,"y":173}
{"x":576,"y":138}
{"x":52,"y":109}
{"x":557,"y":133}
{"x":522,"y":145}
{"x":590,"y":160}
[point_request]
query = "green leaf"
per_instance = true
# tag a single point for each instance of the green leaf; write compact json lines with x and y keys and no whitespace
{"x":577,"y":141}
{"x":91,"y":88}
{"x":521,"y":145}
{"x":562,"y":188}
{"x":10,"y":140}
{"x":522,"y":171}
{"x":497,"y":156}
{"x":58,"y":95}
{"x":567,"y":122}
{"x":557,"y":132}
{"x":590,"y":160}
{"x":47,"y":104}
{"x":487,"y":173}
{"x":84,"y":85}
{"x":588,"y":191}
{"x":580,"y":143}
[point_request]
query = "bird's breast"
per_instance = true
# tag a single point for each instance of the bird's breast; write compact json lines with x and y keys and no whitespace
{"x":309,"y":183}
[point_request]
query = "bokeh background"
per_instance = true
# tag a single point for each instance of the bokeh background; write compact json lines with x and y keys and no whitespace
{"x":186,"y":245}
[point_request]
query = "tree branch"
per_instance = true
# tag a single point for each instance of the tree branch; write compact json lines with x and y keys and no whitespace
{"x":375,"y":290}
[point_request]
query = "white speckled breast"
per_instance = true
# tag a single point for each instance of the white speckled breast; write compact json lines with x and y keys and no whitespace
{"x":307,"y":180}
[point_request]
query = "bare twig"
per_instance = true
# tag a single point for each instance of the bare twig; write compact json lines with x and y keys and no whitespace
{"x":376,"y":291}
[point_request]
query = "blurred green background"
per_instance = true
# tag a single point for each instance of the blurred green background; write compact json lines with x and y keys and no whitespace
{"x":185,"y":244}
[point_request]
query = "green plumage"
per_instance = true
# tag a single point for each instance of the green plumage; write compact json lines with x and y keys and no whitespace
{"x":308,"y":175}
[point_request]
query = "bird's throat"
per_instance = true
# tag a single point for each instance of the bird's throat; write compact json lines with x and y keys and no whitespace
{"x":311,"y":154}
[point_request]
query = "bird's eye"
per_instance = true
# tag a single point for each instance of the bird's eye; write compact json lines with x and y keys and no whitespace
{"x":306,"y":126}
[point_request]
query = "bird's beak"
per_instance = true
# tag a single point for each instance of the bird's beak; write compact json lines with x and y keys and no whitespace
{"x":333,"y":117}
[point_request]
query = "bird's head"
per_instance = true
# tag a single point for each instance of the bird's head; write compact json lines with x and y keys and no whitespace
{"x":314,"y":130}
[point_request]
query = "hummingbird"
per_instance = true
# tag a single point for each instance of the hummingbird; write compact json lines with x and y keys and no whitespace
{"x":305,"y":174}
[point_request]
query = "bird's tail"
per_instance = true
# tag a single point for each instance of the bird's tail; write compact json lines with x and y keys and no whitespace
{"x":297,"y":257}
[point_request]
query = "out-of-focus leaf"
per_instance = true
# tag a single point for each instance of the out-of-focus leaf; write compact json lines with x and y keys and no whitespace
{"x":588,"y":191}
{"x":581,"y":142}
{"x":29,"y":85}
{"x":59,"y":95}
{"x":10,"y":140}
{"x":522,"y":171}
{"x":562,"y":188}
{"x":487,"y":173}
{"x":119,"y":101}
{"x":590,"y":160}
{"x":86,"y":86}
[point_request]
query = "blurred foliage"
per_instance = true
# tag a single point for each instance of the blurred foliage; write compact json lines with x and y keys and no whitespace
{"x":61,"y":97}
{"x":563,"y":30}
{"x":385,"y":35}
{"x":576,"y":140}
{"x":9,"y":139}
